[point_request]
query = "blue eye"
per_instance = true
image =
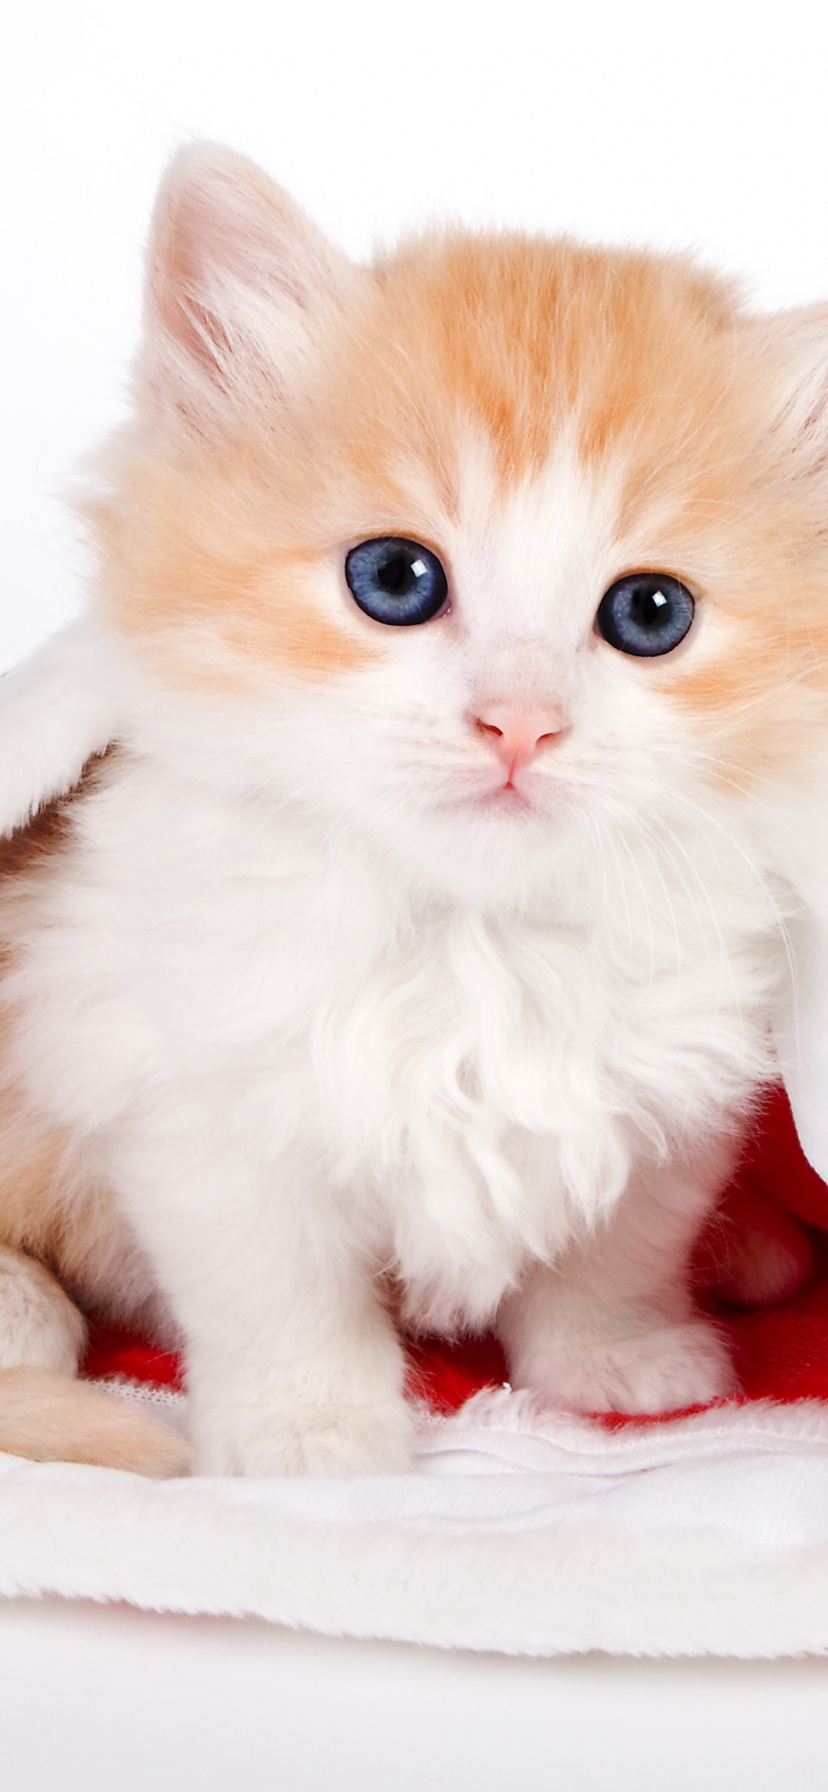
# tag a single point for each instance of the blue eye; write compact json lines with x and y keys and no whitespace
{"x":396,"y":581}
{"x":646,"y":613}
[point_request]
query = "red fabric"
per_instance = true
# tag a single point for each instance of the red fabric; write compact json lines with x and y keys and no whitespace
{"x":781,"y":1352}
{"x":113,"y":1352}
{"x":774,"y":1165}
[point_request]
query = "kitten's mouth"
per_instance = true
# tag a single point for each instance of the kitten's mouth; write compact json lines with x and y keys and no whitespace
{"x":511,"y":795}
{"x":520,"y":798}
{"x":508,"y":798}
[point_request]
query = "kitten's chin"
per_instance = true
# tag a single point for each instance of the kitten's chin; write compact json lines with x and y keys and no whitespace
{"x":498,"y":850}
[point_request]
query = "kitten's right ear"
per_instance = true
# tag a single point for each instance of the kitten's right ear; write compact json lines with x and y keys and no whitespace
{"x":240,"y":285}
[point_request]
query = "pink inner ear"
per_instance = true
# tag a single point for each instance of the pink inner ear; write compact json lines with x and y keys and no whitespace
{"x":176,"y":276}
{"x":235,"y":273}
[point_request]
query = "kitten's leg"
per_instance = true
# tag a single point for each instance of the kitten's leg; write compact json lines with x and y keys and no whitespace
{"x":612,"y":1327}
{"x":40,"y":1327}
{"x":292,"y":1364}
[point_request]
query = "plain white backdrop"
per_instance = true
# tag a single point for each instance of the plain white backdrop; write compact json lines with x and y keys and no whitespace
{"x":699,"y":126}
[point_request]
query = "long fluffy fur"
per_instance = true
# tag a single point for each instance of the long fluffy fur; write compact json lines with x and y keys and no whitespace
{"x":300,"y":1004}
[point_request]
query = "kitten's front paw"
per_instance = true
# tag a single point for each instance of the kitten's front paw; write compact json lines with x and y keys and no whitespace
{"x":661,"y":1370}
{"x":248,"y":1440}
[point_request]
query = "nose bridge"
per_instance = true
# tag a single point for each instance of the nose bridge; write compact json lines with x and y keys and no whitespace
{"x":522,"y":675}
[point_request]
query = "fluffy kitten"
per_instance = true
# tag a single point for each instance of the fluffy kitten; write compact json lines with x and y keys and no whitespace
{"x":461,"y":624}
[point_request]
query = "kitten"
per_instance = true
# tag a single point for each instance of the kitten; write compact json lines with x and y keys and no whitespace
{"x":461,"y":625}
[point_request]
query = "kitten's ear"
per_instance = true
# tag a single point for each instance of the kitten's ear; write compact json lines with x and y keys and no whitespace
{"x":240,"y":286}
{"x":796,"y":346}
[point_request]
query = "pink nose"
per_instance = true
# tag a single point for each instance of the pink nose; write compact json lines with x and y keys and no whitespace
{"x":516,"y":735}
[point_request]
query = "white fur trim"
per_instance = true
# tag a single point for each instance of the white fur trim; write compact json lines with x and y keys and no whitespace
{"x":522,"y":1533}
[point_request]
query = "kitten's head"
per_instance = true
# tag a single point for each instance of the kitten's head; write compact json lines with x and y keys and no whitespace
{"x":499,"y":539}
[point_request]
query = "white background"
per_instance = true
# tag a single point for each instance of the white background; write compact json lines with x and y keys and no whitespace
{"x":700,"y":126}
{"x":129,"y":1701}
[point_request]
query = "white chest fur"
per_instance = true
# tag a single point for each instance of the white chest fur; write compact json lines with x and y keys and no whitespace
{"x":461,"y":1087}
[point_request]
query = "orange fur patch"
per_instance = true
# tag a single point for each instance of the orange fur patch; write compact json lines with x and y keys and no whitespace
{"x":49,"y":1418}
{"x":644,"y":363}
{"x":191,"y":554}
{"x":524,"y":337}
{"x":648,"y":366}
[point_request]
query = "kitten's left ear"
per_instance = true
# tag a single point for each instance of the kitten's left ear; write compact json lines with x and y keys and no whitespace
{"x":240,"y":289}
{"x":795,"y":347}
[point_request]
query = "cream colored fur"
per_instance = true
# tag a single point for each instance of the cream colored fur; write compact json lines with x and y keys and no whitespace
{"x":307,"y":1002}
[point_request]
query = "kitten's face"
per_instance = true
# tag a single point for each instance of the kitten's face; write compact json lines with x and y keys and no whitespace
{"x":391,"y":523}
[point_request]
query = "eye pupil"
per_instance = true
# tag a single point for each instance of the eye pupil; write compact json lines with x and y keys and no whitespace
{"x":397,"y":574}
{"x":645,"y":607}
{"x":645,"y":614}
{"x":396,"y":581}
